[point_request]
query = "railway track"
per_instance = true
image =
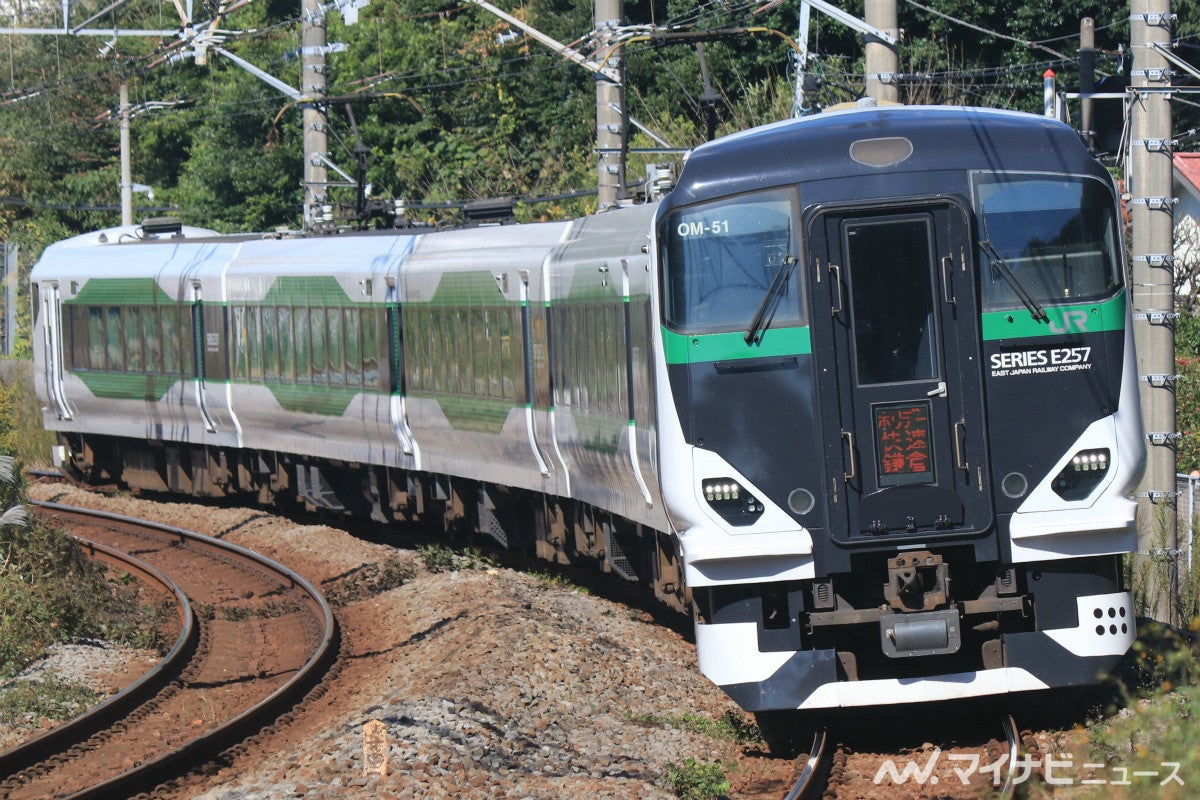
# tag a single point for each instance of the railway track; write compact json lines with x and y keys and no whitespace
{"x":254,"y":639}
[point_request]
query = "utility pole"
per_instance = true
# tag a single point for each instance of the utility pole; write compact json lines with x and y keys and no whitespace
{"x":1152,"y":206}
{"x":313,"y":47}
{"x":1087,"y":78}
{"x":612,"y":141}
{"x":126,"y":170}
{"x":883,"y":62}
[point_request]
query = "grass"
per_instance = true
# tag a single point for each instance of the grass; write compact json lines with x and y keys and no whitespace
{"x":50,"y":592}
{"x":696,"y":780}
{"x":21,"y":432}
{"x":1146,"y":749}
{"x":52,"y":698}
{"x":729,"y":727}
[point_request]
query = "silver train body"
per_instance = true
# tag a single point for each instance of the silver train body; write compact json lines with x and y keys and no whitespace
{"x":860,"y":391}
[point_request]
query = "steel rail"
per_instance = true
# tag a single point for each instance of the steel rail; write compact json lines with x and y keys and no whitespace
{"x":204,"y":748}
{"x":1014,"y":743}
{"x":812,"y":768}
{"x":99,"y":717}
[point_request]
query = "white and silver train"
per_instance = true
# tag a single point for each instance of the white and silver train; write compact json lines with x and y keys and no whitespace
{"x":859,"y":391}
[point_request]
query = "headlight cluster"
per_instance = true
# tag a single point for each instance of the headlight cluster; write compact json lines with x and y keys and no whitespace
{"x":1082,"y":474}
{"x":729,"y":499}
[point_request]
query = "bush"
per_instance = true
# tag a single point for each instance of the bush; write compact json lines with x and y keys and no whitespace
{"x":694,"y":780}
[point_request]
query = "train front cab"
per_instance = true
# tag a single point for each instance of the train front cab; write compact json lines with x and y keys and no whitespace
{"x":909,"y":450}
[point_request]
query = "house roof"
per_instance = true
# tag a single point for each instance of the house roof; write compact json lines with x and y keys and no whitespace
{"x":1187,"y":169}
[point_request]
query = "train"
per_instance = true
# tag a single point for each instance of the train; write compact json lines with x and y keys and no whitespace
{"x":858,"y":393}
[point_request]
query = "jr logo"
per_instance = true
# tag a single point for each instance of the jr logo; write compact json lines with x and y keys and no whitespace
{"x":1071,"y":320}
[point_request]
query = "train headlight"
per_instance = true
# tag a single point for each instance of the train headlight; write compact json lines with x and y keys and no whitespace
{"x":1082,"y":474}
{"x":731,"y":500}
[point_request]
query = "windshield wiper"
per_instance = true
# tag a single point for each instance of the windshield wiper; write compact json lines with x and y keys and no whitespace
{"x":766,"y":308}
{"x":1035,"y":310}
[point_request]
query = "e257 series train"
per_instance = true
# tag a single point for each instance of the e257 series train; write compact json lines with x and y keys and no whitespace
{"x":860,"y":390}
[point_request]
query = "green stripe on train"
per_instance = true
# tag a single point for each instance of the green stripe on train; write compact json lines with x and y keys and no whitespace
{"x":304,"y":290}
{"x":128,"y":385}
{"x":699,"y":348}
{"x":121,"y":292}
{"x":1106,"y":315}
{"x":474,"y":414}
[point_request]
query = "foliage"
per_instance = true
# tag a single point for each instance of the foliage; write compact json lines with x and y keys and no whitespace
{"x":1187,"y":388}
{"x":729,"y":727}
{"x":50,"y":698}
{"x":695,"y":780}
{"x":21,"y":432}
{"x":450,"y":105}
{"x":50,"y":592}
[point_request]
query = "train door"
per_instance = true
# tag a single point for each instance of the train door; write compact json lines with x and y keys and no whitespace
{"x":901,"y":393}
{"x":52,"y":331}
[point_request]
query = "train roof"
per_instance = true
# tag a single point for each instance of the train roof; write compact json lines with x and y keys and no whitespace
{"x":819,"y":147}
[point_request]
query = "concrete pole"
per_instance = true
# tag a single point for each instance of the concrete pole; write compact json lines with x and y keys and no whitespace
{"x":612,"y":138}
{"x":1087,"y":77}
{"x":883,"y":62}
{"x":312,"y":86}
{"x":1151,"y":202}
{"x":126,"y":170}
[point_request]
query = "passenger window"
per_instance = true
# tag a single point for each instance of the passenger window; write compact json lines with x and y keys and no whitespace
{"x":152,"y":336}
{"x":114,"y":337}
{"x":300,"y":320}
{"x":287,"y":365}
{"x":270,"y":344}
{"x":320,"y":358}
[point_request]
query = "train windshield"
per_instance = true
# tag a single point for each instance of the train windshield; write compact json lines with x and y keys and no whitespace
{"x":1056,"y":235}
{"x":720,"y":259}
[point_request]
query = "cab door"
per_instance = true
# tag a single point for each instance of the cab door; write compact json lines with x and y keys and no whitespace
{"x":897,"y":349}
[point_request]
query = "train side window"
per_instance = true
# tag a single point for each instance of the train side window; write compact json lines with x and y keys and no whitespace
{"x":720,"y":259}
{"x":96,"y":338}
{"x":300,"y":320}
{"x":270,"y":346}
{"x":287,"y":364}
{"x":508,"y":364}
{"x":254,"y":343}
{"x":320,"y":357}
{"x":334,"y":343}
{"x":133,"y":343}
{"x":113,"y":339}
{"x":353,"y":347}
{"x":371,"y":325}
{"x":241,"y":332}
{"x":80,"y":352}
{"x":187,"y":343}
{"x":170,"y":333}
{"x":152,"y":336}
{"x":479,"y":348}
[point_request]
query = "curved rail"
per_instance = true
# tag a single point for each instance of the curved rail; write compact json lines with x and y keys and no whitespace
{"x":122,"y":703}
{"x":816,"y":764}
{"x":209,"y":744}
{"x":1014,"y":743}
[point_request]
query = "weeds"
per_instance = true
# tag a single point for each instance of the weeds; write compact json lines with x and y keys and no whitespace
{"x":52,"y":698}
{"x":439,"y":558}
{"x":50,"y":592}
{"x":729,"y":727}
{"x":694,"y":780}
